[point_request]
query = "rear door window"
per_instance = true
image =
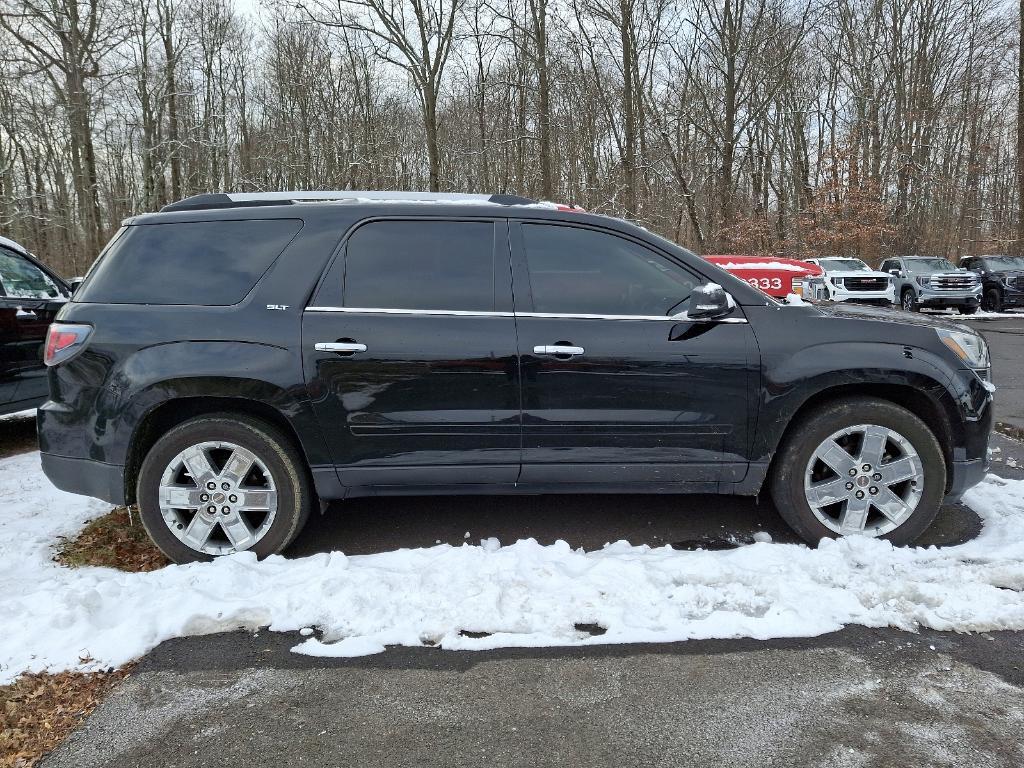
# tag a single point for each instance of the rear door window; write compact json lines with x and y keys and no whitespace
{"x":210,"y":263}
{"x":421,"y":265}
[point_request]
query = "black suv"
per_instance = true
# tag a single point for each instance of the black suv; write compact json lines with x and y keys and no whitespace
{"x":1002,"y":280}
{"x":235,"y":359}
{"x":30,"y":296}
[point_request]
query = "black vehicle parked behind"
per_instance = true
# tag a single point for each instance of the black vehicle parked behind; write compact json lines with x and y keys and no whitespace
{"x":30,"y":296}
{"x":1002,"y":279}
{"x":233,"y":360}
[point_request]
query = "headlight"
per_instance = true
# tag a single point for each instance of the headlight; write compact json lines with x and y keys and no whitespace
{"x":923,"y":280}
{"x":838,"y":282}
{"x":969,"y":347}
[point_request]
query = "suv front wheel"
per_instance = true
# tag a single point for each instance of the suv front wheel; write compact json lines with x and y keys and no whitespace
{"x":909,"y":301}
{"x":221,"y":484}
{"x":859,"y":466}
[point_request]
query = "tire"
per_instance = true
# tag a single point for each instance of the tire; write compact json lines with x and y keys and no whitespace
{"x":965,"y":309}
{"x":992,"y":301}
{"x":277,"y":466}
{"x":793,"y":466}
{"x":908,"y":301}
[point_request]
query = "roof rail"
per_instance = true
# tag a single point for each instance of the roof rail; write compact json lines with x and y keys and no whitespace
{"x":247,"y":199}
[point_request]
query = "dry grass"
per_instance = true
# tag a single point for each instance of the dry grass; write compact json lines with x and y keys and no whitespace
{"x":115,"y":540}
{"x":37,"y":711}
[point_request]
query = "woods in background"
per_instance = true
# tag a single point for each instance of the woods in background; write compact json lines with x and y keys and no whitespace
{"x":860,"y":127}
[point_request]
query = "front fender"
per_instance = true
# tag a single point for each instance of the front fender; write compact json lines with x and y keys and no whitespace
{"x":848,"y":367}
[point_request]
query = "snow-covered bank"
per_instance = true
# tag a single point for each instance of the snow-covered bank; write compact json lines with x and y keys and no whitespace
{"x":523,"y":594}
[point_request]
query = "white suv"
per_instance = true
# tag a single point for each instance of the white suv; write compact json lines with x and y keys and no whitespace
{"x":849,"y":279}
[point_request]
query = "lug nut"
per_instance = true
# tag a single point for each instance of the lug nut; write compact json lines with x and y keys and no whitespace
{"x":225,"y":510}
{"x":877,"y":476}
{"x":211,"y":485}
{"x":873,"y":490}
{"x":849,"y":486}
{"x":866,"y":467}
{"x":211,"y":509}
{"x":860,"y":494}
{"x":853,"y":472}
{"x":225,"y":486}
{"x":232,"y":498}
{"x":204,"y":497}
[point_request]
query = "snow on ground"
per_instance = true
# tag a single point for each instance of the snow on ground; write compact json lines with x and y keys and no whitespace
{"x":19,"y":415}
{"x":524,"y":594}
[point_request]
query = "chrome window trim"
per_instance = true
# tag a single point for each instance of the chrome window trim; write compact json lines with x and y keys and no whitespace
{"x":544,"y":315}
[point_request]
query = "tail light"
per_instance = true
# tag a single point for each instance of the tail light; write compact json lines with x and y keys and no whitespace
{"x":797,"y":286}
{"x":64,"y":341}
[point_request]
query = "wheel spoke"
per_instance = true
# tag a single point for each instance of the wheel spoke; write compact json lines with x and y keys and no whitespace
{"x":898,"y":471}
{"x":855,"y":516}
{"x":198,"y":531}
{"x":237,"y":466}
{"x":828,"y":492}
{"x":872,"y":448}
{"x":198,"y":465}
{"x":179,"y":497}
{"x":257,"y":500}
{"x":237,"y":529}
{"x":836,"y":457}
{"x":891,"y":505}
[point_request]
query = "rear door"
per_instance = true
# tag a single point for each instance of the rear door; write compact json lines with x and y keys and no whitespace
{"x":29,"y":300}
{"x":614,"y":389}
{"x":410,"y":355}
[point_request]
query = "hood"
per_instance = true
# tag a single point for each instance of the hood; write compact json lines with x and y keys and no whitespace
{"x":857,"y":273}
{"x":887,"y":315}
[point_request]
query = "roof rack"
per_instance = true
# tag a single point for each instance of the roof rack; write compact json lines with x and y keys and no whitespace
{"x":251,"y":199}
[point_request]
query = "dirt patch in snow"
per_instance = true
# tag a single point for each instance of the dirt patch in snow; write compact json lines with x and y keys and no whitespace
{"x":115,"y":540}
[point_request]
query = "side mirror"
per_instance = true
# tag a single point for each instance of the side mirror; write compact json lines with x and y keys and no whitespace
{"x":708,"y":302}
{"x":896,"y":272}
{"x":75,"y":283}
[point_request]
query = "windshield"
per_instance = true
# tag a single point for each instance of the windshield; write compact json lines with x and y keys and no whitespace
{"x":928,"y":266}
{"x":843,"y":265}
{"x":1004,"y":262}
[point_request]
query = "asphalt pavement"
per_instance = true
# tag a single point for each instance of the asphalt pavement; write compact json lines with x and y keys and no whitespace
{"x":859,"y":697}
{"x":1006,"y":346}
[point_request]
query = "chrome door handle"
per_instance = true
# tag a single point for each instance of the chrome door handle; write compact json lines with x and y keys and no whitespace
{"x":339,"y":346}
{"x":558,"y":349}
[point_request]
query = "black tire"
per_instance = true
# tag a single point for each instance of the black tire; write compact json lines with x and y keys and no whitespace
{"x":967,"y":309}
{"x":992,"y":301}
{"x":295,"y":495}
{"x":908,"y":301}
{"x":786,"y":481}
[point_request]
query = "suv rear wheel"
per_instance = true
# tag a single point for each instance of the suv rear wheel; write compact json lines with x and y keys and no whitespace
{"x":859,"y":465}
{"x":221,"y":484}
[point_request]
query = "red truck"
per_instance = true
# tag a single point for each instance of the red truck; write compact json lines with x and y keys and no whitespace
{"x":778,"y":277}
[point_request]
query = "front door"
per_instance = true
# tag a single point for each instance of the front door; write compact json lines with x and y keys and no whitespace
{"x":613,"y":389}
{"x":410,"y":355}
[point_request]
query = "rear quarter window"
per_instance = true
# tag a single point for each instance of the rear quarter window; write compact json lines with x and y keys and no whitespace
{"x":210,"y":263}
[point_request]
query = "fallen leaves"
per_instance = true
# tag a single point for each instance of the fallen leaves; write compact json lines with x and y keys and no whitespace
{"x":38,"y":710}
{"x":115,"y":540}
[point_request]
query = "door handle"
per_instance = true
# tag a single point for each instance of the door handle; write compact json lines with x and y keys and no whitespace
{"x":344,"y":347}
{"x":26,"y":314}
{"x":558,"y":350}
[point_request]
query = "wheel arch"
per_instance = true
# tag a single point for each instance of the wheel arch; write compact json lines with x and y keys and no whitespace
{"x":170,"y":413}
{"x":932,"y":412}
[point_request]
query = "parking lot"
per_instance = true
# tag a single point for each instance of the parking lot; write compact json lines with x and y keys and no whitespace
{"x":861,"y":696}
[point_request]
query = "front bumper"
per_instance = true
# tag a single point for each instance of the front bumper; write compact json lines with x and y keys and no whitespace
{"x":964,"y":475}
{"x":928,"y":298}
{"x":85,"y":477}
{"x":882,"y":297}
{"x":1013,"y":298}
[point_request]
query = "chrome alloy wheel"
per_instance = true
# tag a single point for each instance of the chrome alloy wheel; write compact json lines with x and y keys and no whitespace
{"x":864,"y":479}
{"x":217,"y":498}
